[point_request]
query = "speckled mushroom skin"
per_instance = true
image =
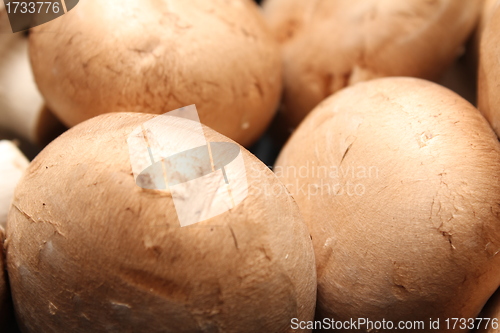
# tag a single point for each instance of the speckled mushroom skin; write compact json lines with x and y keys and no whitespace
{"x":489,"y":71}
{"x":418,"y":235}
{"x":90,"y":251}
{"x":157,"y":56}
{"x":328,"y":45}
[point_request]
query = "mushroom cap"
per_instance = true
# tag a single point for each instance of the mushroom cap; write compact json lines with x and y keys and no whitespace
{"x":400,"y":191}
{"x":489,"y":71}
{"x":328,"y":45}
{"x":89,"y":250}
{"x":157,"y":56}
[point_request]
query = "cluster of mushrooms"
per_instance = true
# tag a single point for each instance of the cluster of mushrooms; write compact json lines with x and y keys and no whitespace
{"x":383,"y":202}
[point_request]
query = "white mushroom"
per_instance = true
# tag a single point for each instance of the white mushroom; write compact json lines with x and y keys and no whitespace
{"x":22,"y":111}
{"x":12,"y":165}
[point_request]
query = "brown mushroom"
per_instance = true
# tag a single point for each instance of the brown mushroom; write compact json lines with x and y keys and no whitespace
{"x":90,"y":250}
{"x":328,"y":45}
{"x":398,"y":180}
{"x":157,"y":56}
{"x":489,"y":71}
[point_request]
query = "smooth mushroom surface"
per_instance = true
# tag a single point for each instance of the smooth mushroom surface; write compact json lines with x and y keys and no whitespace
{"x":400,"y":191}
{"x":489,"y":71}
{"x":157,"y":56}
{"x":12,"y":165}
{"x":328,"y":45}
